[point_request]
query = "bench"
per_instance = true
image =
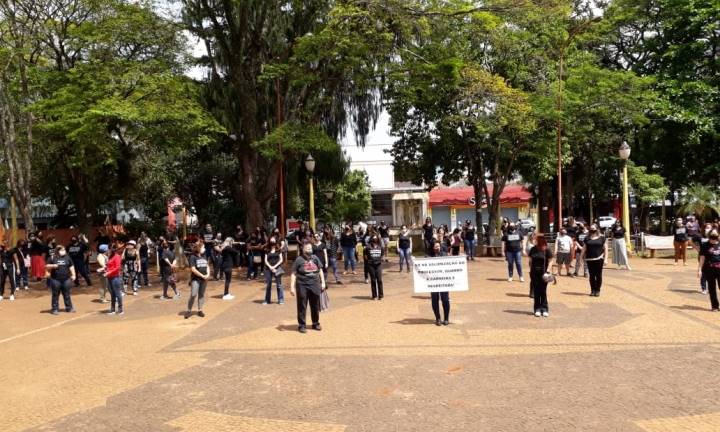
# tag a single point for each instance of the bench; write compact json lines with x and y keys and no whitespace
{"x":653,"y":243}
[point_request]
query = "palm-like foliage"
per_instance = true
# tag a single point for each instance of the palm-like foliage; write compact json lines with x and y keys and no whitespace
{"x":700,"y":200}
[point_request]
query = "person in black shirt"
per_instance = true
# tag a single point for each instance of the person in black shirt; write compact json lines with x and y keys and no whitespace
{"x":347,"y":243}
{"x":77,"y":250}
{"x":620,"y":256}
{"x":384,"y":232}
{"x":513,"y":247}
{"x":62,"y":273}
{"x":405,"y":248}
{"x":255,"y":256}
{"x":240,"y":242}
{"x":207,"y":235}
{"x":428,"y":231}
{"x":22,"y":253}
{"x":308,"y":282}
{"x":541,"y":259}
{"x":199,"y":275}
{"x":580,"y":237}
{"x":320,"y":251}
{"x":228,"y":257}
{"x":144,"y":251}
{"x":273,"y":270}
{"x":595,"y":255}
{"x":709,"y":267}
{"x":38,"y":252}
{"x":101,"y":239}
{"x":9,"y":270}
{"x":168,"y":263}
{"x":680,"y":241}
{"x":217,"y":259}
{"x":373,"y":256}
{"x":468,"y":236}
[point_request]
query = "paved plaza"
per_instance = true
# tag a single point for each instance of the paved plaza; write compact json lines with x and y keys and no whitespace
{"x":642,"y":357}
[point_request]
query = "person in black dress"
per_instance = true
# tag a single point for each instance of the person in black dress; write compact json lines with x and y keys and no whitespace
{"x":595,"y":255}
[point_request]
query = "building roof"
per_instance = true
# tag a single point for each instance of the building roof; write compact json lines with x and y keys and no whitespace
{"x":512,"y":194}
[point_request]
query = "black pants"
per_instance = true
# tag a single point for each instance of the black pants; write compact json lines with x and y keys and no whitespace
{"x":9,"y":274}
{"x":538,"y":288}
{"x":435,"y":300}
{"x":57,"y":287}
{"x":712,"y":276}
{"x":428,"y":248}
{"x":166,"y":275}
{"x":217,"y":266}
{"x":144,"y":272}
{"x":376,"y":282}
{"x":305,"y":296}
{"x":228,"y":278}
{"x":81,"y":269}
{"x":595,"y":269}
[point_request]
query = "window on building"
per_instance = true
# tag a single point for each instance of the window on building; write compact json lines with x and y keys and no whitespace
{"x":382,"y":205}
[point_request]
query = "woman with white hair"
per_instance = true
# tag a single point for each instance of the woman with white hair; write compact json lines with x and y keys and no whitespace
{"x":228,"y":258}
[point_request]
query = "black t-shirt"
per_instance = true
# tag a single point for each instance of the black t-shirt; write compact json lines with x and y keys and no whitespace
{"x":76,"y":251}
{"x":469,"y":233}
{"x":62,"y":272}
{"x":619,"y":232}
{"x":318,"y":252}
{"x":428,"y":231}
{"x":273,"y":258}
{"x":711,"y":252}
{"x":539,"y":259}
{"x":680,"y":234}
{"x":384,"y":232}
{"x":144,"y":250}
{"x":580,"y":237}
{"x":240,"y":240}
{"x":513,"y":241}
{"x":571,"y":230}
{"x":228,"y":258}
{"x":373,"y":255}
{"x":21,"y":254}
{"x":7,"y":257}
{"x":169,"y":255}
{"x":307,"y":273}
{"x":348,"y":240}
{"x":404,"y":241}
{"x":200,"y":264}
{"x":595,"y":247}
{"x":37,"y":248}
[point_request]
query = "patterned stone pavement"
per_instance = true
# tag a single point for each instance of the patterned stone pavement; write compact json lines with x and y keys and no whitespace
{"x":642,"y":357}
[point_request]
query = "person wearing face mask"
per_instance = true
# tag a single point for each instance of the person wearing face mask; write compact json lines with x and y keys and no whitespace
{"x":22,"y":257}
{"x":77,"y":251}
{"x":384,"y":232}
{"x":541,"y":258}
{"x":513,"y":247}
{"x":273,"y":271}
{"x":704,"y":238}
{"x":320,"y":251}
{"x":228,"y":257}
{"x":680,"y":241}
{"x":405,"y":247}
{"x":373,"y":256}
{"x":8,"y":271}
{"x":199,"y":275}
{"x":428,"y":232}
{"x":144,"y":253}
{"x":595,"y":255}
{"x":348,"y":240}
{"x":307,"y":282}
{"x":131,"y":267}
{"x":208,"y":238}
{"x":102,"y":260}
{"x":38,"y":252}
{"x":564,"y":249}
{"x":580,"y":237}
{"x":168,"y":264}
{"x":333,"y":245}
{"x":693,"y":231}
{"x":113,"y":270}
{"x":709,"y":267}
{"x":620,"y":257}
{"x":62,"y":273}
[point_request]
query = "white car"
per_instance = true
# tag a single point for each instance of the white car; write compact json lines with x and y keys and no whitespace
{"x":527,"y":224}
{"x":606,"y":222}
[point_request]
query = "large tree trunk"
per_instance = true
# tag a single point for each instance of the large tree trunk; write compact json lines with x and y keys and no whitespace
{"x":256,"y":192}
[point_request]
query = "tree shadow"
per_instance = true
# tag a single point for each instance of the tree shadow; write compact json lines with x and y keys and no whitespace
{"x":361,"y":297}
{"x":577,"y":294}
{"x":287,"y":327}
{"x":517,"y":312}
{"x":414,"y":321}
{"x":686,"y":291}
{"x":690,"y":308}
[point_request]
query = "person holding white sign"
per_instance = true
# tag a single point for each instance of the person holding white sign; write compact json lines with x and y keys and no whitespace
{"x":436,"y":297}
{"x":512,"y":248}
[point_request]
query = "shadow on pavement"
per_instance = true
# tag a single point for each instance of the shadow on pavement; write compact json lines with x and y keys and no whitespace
{"x":414,"y":321}
{"x":517,"y":312}
{"x":287,"y":327}
{"x":516,"y":295}
{"x":690,"y":307}
{"x":571,"y":293}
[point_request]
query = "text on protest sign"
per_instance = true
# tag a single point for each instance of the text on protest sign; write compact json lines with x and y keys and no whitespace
{"x":439,"y":274}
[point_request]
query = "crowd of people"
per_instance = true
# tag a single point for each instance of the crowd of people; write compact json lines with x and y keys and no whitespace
{"x":123,"y":264}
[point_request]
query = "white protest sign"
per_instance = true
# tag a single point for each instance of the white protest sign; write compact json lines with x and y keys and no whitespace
{"x":439,"y":274}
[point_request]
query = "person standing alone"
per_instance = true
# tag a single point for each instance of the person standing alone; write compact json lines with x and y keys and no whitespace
{"x":307,"y":282}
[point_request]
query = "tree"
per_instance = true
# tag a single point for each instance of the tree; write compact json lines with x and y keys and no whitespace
{"x":351,"y":199}
{"x":700,"y":200}
{"x":647,"y":188}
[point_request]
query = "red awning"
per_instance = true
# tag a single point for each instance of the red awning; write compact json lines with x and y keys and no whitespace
{"x":512,"y":194}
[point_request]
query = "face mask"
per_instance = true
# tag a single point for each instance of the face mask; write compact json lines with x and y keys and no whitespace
{"x":62,"y":253}
{"x":511,"y":229}
{"x":592,"y":230}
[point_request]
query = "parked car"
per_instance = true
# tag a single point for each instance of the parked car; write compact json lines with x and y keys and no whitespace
{"x":527,"y":224}
{"x":606,"y":222}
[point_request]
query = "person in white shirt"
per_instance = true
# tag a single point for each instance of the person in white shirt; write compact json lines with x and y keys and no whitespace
{"x":563,"y":250}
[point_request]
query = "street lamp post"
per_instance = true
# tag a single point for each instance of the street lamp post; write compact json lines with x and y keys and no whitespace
{"x":310,"y":166}
{"x":624,"y":153}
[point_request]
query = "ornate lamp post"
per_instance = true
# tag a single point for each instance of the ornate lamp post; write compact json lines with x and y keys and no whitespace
{"x":310,"y":166}
{"x":624,"y":153}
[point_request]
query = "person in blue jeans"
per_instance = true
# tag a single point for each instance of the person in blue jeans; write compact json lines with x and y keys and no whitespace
{"x":332,"y":244}
{"x":273,"y":270}
{"x":348,"y":240}
{"x":405,"y":248}
{"x":468,"y":236}
{"x":513,"y":248}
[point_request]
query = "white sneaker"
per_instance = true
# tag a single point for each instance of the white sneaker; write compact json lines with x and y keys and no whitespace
{"x":545,"y":314}
{"x":265,"y":303}
{"x":537,"y":313}
{"x":509,"y":279}
{"x":228,"y":297}
{"x":522,"y":279}
{"x":1,"y":297}
{"x":12,"y":298}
